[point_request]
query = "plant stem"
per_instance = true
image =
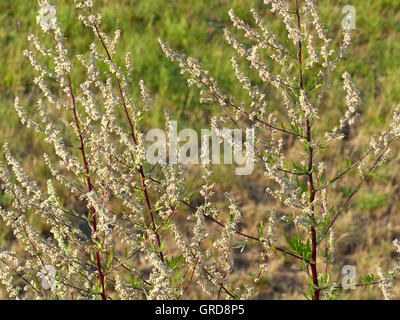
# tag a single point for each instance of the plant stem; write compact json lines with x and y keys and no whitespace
{"x":311,"y":189}
{"x":132,"y":134}
{"x":88,"y":181}
{"x":89,"y":186}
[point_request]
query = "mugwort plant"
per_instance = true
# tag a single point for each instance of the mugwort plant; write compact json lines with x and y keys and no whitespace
{"x":188,"y":153}
{"x":305,"y":61}
{"x":120,"y":238}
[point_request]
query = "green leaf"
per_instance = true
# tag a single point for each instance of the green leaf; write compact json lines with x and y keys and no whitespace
{"x":368,"y":279}
{"x":308,"y":297}
{"x":240,"y":245}
{"x":175,"y":262}
{"x":297,"y":246}
{"x":110,"y":259}
{"x":347,"y":163}
{"x":162,"y":247}
{"x":260,"y":229}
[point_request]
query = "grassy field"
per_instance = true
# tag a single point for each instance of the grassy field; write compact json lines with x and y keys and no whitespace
{"x":196,"y":27}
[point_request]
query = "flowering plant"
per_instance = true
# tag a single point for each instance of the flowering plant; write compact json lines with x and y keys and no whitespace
{"x":305,"y":63}
{"x":130,"y":221}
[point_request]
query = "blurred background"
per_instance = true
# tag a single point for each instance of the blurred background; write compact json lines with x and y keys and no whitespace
{"x":364,"y":233}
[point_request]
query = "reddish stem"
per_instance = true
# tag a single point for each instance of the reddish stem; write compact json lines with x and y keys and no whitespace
{"x":89,"y":186}
{"x":132,"y":133}
{"x":88,"y":181}
{"x":311,"y":188}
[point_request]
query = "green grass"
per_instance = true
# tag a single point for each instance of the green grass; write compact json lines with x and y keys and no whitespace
{"x":371,"y":201}
{"x":196,"y":28}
